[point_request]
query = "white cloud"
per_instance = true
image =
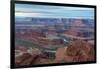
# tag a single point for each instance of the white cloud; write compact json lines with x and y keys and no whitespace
{"x":77,"y":8}
{"x":27,"y":14}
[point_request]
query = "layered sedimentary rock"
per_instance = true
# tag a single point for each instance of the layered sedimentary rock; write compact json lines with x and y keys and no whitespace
{"x":77,"y":51}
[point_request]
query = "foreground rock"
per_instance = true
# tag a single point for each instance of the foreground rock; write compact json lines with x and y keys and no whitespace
{"x":77,"y":51}
{"x":27,"y":59}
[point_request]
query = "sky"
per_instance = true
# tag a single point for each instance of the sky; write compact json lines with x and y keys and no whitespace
{"x":45,"y":11}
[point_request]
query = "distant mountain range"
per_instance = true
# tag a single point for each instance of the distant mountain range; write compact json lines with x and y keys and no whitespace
{"x":53,"y":21}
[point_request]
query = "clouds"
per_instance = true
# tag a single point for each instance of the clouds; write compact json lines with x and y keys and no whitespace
{"x":27,"y":14}
{"x":26,"y":10}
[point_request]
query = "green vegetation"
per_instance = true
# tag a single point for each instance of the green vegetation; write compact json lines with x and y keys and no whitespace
{"x":28,"y":44}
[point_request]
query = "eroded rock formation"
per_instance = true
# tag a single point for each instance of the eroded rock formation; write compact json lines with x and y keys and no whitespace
{"x":77,"y":51}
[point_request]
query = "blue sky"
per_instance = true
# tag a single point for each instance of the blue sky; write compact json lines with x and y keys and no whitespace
{"x":26,"y":10}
